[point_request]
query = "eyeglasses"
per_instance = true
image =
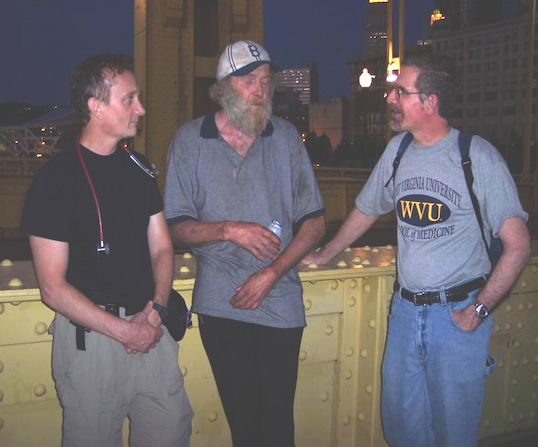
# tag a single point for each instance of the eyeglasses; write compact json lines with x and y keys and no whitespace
{"x":399,"y":92}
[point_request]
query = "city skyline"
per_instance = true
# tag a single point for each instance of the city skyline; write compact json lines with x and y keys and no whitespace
{"x":42,"y":43}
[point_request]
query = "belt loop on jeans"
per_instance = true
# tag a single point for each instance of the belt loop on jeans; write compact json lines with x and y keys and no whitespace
{"x":442,"y":296}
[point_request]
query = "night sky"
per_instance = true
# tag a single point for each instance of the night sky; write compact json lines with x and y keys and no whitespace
{"x":42,"y":41}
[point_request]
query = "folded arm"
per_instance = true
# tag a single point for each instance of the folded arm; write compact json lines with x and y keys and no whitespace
{"x":258,"y":285}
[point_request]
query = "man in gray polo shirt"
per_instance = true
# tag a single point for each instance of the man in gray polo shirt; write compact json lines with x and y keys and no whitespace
{"x":230,"y":174}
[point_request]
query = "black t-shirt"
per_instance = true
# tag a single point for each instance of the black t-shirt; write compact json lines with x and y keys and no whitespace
{"x":60,"y":206}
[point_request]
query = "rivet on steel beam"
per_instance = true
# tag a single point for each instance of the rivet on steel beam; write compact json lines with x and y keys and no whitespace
{"x":357,"y":260}
{"x":515,"y":363}
{"x":349,"y":375}
{"x":187,"y":256}
{"x":308,"y":304}
{"x":525,"y":361}
{"x":341,"y":264}
{"x":350,"y":352}
{"x":366,"y":248}
{"x":15,"y":282}
{"x":184,"y":371}
{"x":375,"y":250}
{"x":369,"y":389}
{"x":353,"y":284}
{"x":324,"y":397}
{"x":352,"y":301}
{"x":1,"y":367}
{"x":360,"y":416}
{"x":346,"y":420}
{"x":1,"y":309}
{"x":508,"y":308}
{"x":520,"y":325}
{"x":366,"y":288}
{"x":184,"y":269}
{"x":507,"y":326}
{"x":497,"y":328}
{"x":329,"y":329}
{"x":40,"y":390}
{"x":212,"y":416}
{"x":302,"y":355}
{"x":517,"y":344}
{"x":514,"y":382}
{"x":372,"y":324}
{"x":530,"y":306}
{"x":6,"y":263}
{"x":521,"y":416}
{"x":40,"y":328}
{"x":333,"y":285}
{"x":513,"y":401}
{"x":523,"y":284}
{"x":364,"y":353}
{"x":501,"y":364}
{"x":520,"y":307}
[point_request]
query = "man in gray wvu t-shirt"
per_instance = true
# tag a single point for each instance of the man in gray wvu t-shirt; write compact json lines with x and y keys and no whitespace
{"x":436,"y":357}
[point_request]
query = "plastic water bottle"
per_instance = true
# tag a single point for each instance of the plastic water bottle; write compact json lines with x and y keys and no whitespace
{"x":276,"y":227}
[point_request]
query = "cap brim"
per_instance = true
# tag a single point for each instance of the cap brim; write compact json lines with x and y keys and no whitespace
{"x":251,"y":67}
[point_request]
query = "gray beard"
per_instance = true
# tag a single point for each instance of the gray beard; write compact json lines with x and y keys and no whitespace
{"x":243,"y":118}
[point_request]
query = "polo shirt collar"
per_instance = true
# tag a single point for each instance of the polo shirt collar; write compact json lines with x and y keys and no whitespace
{"x":209,"y":127}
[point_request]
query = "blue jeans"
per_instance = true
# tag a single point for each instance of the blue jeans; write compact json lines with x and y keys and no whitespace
{"x":433,"y":375}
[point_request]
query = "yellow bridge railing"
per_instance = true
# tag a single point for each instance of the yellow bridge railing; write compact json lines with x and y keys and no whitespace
{"x":338,"y":392}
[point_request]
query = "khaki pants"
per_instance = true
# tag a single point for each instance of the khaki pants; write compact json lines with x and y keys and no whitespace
{"x":100,"y":387}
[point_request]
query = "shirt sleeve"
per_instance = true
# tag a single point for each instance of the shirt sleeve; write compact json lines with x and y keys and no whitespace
{"x":375,"y":198}
{"x":180,"y":188}
{"x":45,"y":212}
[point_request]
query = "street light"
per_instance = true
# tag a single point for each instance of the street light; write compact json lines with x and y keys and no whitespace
{"x":365,"y":79}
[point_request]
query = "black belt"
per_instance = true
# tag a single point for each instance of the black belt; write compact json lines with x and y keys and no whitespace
{"x":113,"y":309}
{"x":454,"y":294}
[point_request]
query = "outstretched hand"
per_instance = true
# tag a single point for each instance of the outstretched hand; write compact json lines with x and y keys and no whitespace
{"x":318,"y":258}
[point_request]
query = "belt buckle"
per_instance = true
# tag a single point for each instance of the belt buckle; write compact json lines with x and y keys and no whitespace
{"x":418,"y":295}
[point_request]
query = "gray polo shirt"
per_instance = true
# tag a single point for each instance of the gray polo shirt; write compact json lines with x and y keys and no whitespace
{"x":208,"y":181}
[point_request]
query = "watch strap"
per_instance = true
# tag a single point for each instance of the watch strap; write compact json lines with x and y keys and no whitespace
{"x":161,"y":310}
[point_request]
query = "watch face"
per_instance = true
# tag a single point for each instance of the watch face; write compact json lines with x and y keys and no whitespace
{"x":482,"y":311}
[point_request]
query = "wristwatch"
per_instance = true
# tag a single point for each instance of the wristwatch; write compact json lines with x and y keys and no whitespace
{"x":481,"y":310}
{"x":162,"y":311}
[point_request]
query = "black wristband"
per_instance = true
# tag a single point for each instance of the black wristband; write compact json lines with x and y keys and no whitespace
{"x":162,"y":311}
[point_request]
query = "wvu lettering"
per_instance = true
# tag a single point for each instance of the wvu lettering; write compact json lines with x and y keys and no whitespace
{"x":422,"y":211}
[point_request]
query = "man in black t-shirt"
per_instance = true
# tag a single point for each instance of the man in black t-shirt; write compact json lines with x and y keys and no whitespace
{"x":104,"y":262}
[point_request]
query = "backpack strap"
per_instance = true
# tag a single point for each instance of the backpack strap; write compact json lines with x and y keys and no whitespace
{"x":404,"y":144}
{"x":464,"y":142}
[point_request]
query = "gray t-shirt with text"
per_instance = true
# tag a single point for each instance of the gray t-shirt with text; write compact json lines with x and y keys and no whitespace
{"x":439,"y":239}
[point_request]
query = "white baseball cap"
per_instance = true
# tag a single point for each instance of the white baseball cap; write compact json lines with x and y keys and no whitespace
{"x":242,"y":57}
